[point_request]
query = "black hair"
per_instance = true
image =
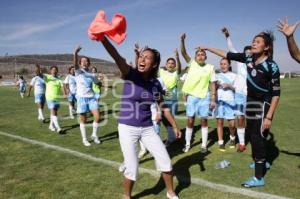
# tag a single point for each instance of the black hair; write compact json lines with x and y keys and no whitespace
{"x":269,"y":39}
{"x":94,"y":68}
{"x":171,"y":58}
{"x":21,"y":77}
{"x":229,"y":63}
{"x":154,"y":72}
{"x":53,"y":67}
{"x":70,"y":68}
{"x":247,"y":48}
{"x":87,"y":59}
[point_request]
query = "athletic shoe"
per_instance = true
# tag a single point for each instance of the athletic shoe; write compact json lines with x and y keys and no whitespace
{"x":142,"y":153}
{"x":59,"y":130}
{"x":96,"y":140}
{"x":186,"y":148}
{"x":222,"y":147}
{"x":252,"y":165}
{"x":86,"y":143}
{"x":254,"y":182}
{"x":172,"y":197}
{"x":122,"y":167}
{"x":72,"y":117}
{"x":51,"y":128}
{"x":231,"y":144}
{"x":241,"y":148}
{"x":203,"y":150}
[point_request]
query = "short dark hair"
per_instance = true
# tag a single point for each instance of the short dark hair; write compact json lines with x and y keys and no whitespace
{"x":53,"y":67}
{"x":94,"y":68}
{"x":171,"y":58}
{"x":247,"y":48}
{"x":70,"y":68}
{"x":229,"y":63}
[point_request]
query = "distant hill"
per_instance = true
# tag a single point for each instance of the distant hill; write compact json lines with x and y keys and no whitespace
{"x":15,"y":64}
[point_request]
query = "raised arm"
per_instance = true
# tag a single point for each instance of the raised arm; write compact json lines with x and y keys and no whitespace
{"x":288,"y":31}
{"x":120,"y":61}
{"x":230,"y":46}
{"x":215,"y":51}
{"x":183,"y":49}
{"x":75,"y":58}
{"x":137,"y":53}
{"x":178,"y":62}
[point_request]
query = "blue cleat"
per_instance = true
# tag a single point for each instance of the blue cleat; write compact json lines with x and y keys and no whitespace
{"x":254,"y":182}
{"x":252,"y":165}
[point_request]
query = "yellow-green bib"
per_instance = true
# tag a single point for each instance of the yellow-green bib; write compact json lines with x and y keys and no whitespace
{"x":198,"y":78}
{"x":169,"y":78}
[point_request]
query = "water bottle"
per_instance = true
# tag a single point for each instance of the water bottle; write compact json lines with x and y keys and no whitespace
{"x":222,"y":165}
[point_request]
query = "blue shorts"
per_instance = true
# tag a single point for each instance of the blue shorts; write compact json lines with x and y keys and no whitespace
{"x":39,"y":98}
{"x":86,"y":104}
{"x":52,"y":104}
{"x":196,"y":106}
{"x":97,"y":96}
{"x":72,"y":97}
{"x":240,"y":101}
{"x":225,"y":110}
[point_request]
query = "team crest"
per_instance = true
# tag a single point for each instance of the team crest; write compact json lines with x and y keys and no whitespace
{"x":253,"y":73}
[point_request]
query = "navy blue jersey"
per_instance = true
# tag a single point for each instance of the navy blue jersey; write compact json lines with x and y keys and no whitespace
{"x":263,"y":79}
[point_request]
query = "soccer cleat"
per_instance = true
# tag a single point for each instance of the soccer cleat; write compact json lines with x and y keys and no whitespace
{"x":59,"y":130}
{"x":252,"y":165}
{"x":142,"y":153}
{"x":203,"y":150}
{"x":86,"y":143}
{"x":72,"y":117}
{"x":95,"y":139}
{"x":122,"y":167}
{"x":254,"y":182}
{"x":172,"y":197}
{"x":51,"y":128}
{"x":222,"y":147}
{"x":241,"y":148}
{"x":186,"y":148}
{"x":231,"y":144}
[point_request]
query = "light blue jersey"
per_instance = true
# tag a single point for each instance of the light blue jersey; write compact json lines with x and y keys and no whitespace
{"x":39,"y":85}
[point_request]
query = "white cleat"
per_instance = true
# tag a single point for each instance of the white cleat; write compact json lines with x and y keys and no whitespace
{"x":172,"y":197}
{"x":51,"y":128}
{"x":86,"y":143}
{"x":186,"y":148}
{"x":59,"y":130}
{"x":142,"y":153}
{"x":95,"y":139}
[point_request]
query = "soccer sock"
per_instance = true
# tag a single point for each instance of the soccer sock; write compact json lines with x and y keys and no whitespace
{"x":260,"y":167}
{"x":232,"y":137}
{"x":55,"y":121}
{"x":95,"y":128}
{"x":188,"y":135}
{"x":204,"y":132}
{"x":22,"y":95}
{"x":82,"y":131}
{"x":221,"y":142}
{"x":241,"y":135}
{"x":41,"y":113}
{"x":51,"y":122}
{"x":71,"y":110}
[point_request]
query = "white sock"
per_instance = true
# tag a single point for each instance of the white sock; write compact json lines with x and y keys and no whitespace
{"x":188,"y":135}
{"x":71,"y":110}
{"x":241,"y":135}
{"x":221,"y":142}
{"x":95,"y":128}
{"x":204,"y":132}
{"x":232,"y":137}
{"x":51,"y":122}
{"x":22,"y":95}
{"x":55,"y":121}
{"x":41,"y":113}
{"x":82,"y":131}
{"x":143,"y":148}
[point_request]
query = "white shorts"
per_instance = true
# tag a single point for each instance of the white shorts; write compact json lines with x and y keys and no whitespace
{"x":129,"y":137}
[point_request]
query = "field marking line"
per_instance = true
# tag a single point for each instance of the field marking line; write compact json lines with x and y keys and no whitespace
{"x":115,"y":164}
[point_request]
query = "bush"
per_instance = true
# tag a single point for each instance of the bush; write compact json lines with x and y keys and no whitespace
{"x":22,"y":71}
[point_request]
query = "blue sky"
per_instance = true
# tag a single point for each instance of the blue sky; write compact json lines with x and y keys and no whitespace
{"x":57,"y":26}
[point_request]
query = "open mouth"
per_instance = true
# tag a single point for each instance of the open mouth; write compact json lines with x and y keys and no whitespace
{"x":141,"y":67}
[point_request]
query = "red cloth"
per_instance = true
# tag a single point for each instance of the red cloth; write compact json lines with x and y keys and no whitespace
{"x":116,"y":30}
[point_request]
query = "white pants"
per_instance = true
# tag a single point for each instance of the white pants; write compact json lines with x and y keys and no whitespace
{"x":129,"y":137}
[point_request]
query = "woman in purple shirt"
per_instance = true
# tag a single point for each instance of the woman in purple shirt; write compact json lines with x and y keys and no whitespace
{"x":141,"y":89}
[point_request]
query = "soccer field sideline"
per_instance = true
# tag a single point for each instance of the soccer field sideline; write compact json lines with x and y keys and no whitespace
{"x":154,"y":173}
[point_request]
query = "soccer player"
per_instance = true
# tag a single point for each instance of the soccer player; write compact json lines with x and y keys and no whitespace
{"x":70,"y":89}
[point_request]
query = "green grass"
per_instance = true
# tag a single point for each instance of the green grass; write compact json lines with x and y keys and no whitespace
{"x":28,"y":171}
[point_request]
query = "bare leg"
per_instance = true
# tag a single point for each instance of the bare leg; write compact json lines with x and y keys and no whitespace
{"x":128,"y":185}
{"x":168,"y":178}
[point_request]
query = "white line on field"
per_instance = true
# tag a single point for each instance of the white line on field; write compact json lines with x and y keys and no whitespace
{"x":197,"y":181}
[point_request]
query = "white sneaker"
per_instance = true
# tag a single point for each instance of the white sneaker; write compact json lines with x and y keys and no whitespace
{"x":59,"y":130}
{"x":51,"y":128}
{"x":186,"y":148}
{"x":95,"y":139}
{"x":142,"y":153}
{"x":172,"y":197}
{"x":122,"y":167}
{"x":86,"y":143}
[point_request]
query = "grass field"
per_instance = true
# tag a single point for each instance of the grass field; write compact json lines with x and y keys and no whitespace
{"x":31,"y":171}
